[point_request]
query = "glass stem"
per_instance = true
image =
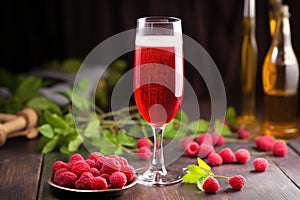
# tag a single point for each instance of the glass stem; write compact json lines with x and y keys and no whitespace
{"x":158,"y":163}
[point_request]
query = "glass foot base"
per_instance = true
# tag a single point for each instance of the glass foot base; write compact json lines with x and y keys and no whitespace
{"x":148,"y":177}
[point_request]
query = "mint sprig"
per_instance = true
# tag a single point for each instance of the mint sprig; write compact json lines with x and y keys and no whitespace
{"x":197,"y":174}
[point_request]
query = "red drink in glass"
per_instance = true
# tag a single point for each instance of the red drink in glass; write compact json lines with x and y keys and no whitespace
{"x":158,"y":80}
{"x":158,"y":87}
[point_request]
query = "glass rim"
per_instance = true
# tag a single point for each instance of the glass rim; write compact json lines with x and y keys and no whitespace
{"x":159,"y":20}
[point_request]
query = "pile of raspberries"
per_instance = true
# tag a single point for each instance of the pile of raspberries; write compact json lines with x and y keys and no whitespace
{"x":97,"y":172}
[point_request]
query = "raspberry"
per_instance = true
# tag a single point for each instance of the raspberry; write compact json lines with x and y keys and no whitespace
{"x":144,"y":153}
{"x":205,"y":150}
{"x":57,"y":165}
{"x":106,"y":176}
{"x":237,"y":182}
{"x":265,"y":143}
{"x":129,"y":172}
{"x":205,"y":138}
{"x":210,"y":185}
{"x":95,"y":171}
{"x":99,"y":162}
{"x":227,"y":155}
{"x":110,"y":165}
{"x":120,"y":159}
{"x":186,"y":141}
{"x":260,"y":164}
{"x":117,"y":180}
{"x":90,"y":162}
{"x":214,"y":159}
{"x":99,"y":183}
{"x":243,"y":134}
{"x":66,"y":179}
{"x":192,"y":149}
{"x":143,"y":142}
{"x":280,"y":148}
{"x":242,"y":155}
{"x":79,"y":167}
{"x":218,"y":139}
{"x":84,"y":182}
{"x":258,"y":139}
{"x":60,"y":171}
{"x":95,"y":156}
{"x":75,"y":157}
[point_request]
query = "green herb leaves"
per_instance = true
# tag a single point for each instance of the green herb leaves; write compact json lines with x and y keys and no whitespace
{"x":21,"y":91}
{"x":197,"y":173}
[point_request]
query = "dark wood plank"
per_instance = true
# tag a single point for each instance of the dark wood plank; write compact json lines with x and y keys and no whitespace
{"x":274,"y":183}
{"x":20,"y":166}
{"x":259,"y":185}
{"x":45,"y":191}
{"x":289,"y":164}
{"x":295,"y":144}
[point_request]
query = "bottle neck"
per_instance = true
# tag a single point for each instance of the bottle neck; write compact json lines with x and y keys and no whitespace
{"x":249,"y":9}
{"x":249,"y":17}
{"x":249,"y":26}
{"x":282,"y":32}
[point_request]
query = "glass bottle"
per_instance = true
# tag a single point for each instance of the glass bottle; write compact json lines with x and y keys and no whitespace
{"x":273,"y":7}
{"x":248,"y":67}
{"x":280,"y":81}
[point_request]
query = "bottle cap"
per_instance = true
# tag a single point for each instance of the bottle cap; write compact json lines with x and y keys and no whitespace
{"x":283,"y":10}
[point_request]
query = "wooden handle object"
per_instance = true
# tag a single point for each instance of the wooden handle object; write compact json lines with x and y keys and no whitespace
{"x":23,"y":124}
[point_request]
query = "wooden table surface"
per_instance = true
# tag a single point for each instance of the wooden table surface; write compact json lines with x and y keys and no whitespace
{"x":24,"y":173}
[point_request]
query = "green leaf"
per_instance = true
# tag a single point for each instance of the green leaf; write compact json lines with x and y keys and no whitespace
{"x":170,"y":131}
{"x":84,"y":84}
{"x":119,"y":65}
{"x":46,"y":130}
{"x":113,"y":77}
{"x":66,"y":93}
{"x":102,"y":97}
{"x":12,"y":105}
{"x":191,"y":178}
{"x":69,"y":119}
{"x":182,"y":116}
{"x":92,"y":130}
{"x":51,"y":144}
{"x":9,"y":80}
{"x":54,"y":120}
{"x":231,"y":116}
{"x":199,"y":125}
{"x":111,"y":137}
{"x":118,"y":151}
{"x":29,"y":88}
{"x":203,"y":165}
{"x":80,"y":101}
{"x":201,"y":181}
{"x":107,"y":146}
{"x":196,"y":170}
{"x":221,"y":128}
{"x":74,"y":144}
{"x":64,"y":149}
{"x":108,"y":149}
{"x":42,"y":103}
{"x":71,"y":65}
{"x":42,"y":142}
{"x":124,"y":139}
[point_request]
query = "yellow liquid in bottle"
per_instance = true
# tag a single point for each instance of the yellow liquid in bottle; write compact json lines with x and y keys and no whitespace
{"x":272,"y":23}
{"x":248,"y":76}
{"x":280,"y":99}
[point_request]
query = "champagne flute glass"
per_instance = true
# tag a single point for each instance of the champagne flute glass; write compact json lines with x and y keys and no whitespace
{"x":158,"y":87}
